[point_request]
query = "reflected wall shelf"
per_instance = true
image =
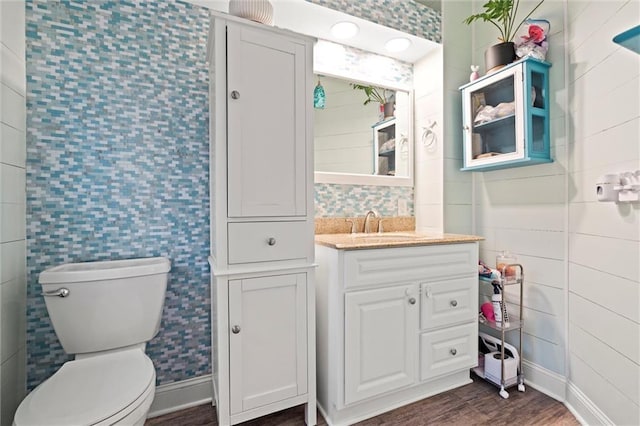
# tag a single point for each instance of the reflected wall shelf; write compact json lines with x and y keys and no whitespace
{"x":384,"y":135}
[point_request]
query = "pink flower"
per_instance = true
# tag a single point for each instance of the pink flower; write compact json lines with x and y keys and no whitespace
{"x":536,"y":34}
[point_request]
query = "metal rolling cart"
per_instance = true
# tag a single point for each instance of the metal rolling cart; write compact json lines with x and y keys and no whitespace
{"x":502,"y":376}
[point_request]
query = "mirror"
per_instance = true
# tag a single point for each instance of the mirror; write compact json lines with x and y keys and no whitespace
{"x":355,"y":134}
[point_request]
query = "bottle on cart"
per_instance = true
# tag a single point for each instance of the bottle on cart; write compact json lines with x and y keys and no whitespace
{"x":496,"y":301}
{"x":499,"y":307}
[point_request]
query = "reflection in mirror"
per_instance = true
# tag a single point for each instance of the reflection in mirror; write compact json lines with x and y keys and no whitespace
{"x":356,"y":134}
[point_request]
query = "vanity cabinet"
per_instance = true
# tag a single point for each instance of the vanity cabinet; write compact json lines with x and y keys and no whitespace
{"x":506,"y":117}
{"x":394,"y":325}
{"x":262,"y":226}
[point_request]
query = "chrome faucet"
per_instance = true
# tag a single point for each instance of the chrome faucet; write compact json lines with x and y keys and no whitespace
{"x":367,"y":220}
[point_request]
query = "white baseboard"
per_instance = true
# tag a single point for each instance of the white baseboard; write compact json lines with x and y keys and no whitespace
{"x":180,"y":395}
{"x":583,"y":408}
{"x":558,"y":387}
{"x":545,"y":381}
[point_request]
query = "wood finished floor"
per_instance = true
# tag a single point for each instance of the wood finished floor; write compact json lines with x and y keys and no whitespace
{"x":475,"y":404}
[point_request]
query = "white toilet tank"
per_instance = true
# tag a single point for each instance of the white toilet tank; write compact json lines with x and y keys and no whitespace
{"x":98,"y":306}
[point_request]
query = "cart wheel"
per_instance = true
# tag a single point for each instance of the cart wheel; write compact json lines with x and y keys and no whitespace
{"x":521,"y":387}
{"x":504,"y":393}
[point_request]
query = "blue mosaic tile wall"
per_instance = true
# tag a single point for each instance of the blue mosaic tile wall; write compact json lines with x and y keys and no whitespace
{"x":403,"y":15}
{"x":354,"y":200}
{"x":117,"y":161}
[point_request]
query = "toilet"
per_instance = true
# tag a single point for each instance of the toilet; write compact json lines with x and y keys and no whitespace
{"x":103,"y":313}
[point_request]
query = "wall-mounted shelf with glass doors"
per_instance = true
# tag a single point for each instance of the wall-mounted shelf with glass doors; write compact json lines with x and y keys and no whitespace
{"x":506,"y":117}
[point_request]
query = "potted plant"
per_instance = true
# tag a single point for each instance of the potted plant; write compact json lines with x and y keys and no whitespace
{"x":376,"y":94}
{"x":503,"y":15}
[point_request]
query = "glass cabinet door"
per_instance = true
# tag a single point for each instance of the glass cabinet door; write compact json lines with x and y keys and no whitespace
{"x":494,"y":124}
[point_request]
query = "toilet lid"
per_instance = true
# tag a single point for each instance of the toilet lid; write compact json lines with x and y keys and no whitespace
{"x":87,"y":391}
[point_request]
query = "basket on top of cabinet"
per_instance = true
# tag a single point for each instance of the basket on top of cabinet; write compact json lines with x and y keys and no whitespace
{"x":506,"y":117}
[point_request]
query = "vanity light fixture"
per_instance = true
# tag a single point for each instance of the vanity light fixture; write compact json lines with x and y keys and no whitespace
{"x":399,"y":44}
{"x":344,"y":30}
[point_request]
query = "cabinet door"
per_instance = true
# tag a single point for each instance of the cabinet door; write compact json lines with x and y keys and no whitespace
{"x":493,"y":120}
{"x":267,"y":340}
{"x":380,"y":341}
{"x":266,"y":133}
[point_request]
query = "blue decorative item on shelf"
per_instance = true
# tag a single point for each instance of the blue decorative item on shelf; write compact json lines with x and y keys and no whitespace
{"x":319,"y":97}
{"x":629,"y":39}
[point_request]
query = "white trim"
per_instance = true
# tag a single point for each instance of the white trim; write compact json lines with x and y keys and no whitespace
{"x":567,"y":190}
{"x":180,"y":395}
{"x":354,"y":179}
{"x":585,"y":411}
{"x":546,"y":381}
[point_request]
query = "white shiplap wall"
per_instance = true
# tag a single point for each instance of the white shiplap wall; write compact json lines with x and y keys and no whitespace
{"x":581,"y":257}
{"x":604,"y":238}
{"x":523,"y":210}
{"x":12,"y":208}
{"x":428,"y":113}
{"x":457,"y":189}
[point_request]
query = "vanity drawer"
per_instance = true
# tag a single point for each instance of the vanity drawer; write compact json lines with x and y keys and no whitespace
{"x":266,"y":241}
{"x":389,"y":265}
{"x":448,"y":302}
{"x":448,"y":350}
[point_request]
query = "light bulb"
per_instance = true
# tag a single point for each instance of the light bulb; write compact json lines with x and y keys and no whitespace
{"x":399,"y":44}
{"x":344,"y":30}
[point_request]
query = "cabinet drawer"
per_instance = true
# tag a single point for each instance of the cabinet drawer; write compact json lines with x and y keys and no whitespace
{"x":382,"y":266}
{"x":448,"y":302}
{"x":267,"y":241}
{"x":448,"y":350}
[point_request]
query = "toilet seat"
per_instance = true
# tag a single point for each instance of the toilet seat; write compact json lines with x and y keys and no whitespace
{"x":102,"y":389}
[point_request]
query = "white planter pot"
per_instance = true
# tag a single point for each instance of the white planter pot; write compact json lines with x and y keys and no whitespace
{"x":256,"y":10}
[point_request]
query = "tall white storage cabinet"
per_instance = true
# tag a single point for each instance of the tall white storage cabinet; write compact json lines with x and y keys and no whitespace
{"x":262,"y":251}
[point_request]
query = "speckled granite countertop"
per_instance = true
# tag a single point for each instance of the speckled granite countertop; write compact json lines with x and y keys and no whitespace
{"x":361,"y":241}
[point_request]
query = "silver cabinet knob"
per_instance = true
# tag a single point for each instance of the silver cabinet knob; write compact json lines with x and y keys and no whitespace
{"x":61,"y":292}
{"x":454,"y":303}
{"x":235,"y":329}
{"x":271,"y":241}
{"x":453,"y":351}
{"x":235,"y":94}
{"x":412,"y":300}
